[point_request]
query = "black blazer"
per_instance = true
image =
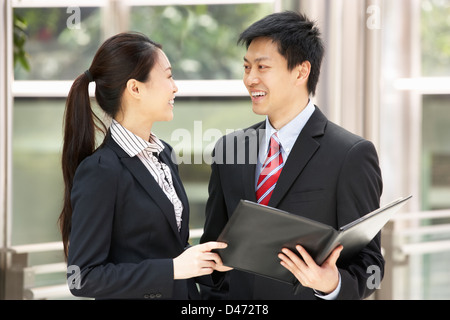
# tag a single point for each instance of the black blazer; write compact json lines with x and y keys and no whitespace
{"x":124,"y":233}
{"x":331,"y":176}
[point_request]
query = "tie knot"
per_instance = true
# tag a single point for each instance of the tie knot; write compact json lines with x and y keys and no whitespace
{"x":274,"y":144}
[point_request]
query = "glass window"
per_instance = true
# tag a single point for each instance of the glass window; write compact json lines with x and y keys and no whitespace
{"x":37,"y":177}
{"x":199,"y":40}
{"x":433,"y":280}
{"x":60,"y":43}
{"x":436,"y":152}
{"x":435,"y":29}
{"x":37,"y":143}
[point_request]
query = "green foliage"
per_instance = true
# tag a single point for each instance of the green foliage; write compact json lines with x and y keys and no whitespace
{"x":200,"y":40}
{"x":53,"y":50}
{"x":19,"y":39}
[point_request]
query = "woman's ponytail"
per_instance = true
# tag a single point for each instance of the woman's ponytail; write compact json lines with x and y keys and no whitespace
{"x":79,"y":142}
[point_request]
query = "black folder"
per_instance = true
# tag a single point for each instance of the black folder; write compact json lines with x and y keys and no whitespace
{"x":255,"y":234}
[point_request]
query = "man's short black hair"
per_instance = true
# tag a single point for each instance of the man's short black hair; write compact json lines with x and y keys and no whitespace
{"x":297,"y":37}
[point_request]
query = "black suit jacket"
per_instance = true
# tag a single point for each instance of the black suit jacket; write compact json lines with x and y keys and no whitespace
{"x":124,"y":233}
{"x":331,"y":176}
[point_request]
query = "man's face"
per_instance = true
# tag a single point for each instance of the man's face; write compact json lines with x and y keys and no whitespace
{"x":272,"y":87}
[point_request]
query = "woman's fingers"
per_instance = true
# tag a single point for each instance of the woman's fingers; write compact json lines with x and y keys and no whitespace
{"x":199,"y":260}
{"x":209,"y":246}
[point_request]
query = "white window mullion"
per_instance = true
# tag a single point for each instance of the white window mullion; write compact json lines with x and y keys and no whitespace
{"x":102,"y":3}
{"x":186,"y":88}
{"x":192,"y":2}
{"x":425,"y":85}
{"x":57,"y":3}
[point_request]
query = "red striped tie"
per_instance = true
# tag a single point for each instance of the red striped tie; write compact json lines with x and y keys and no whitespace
{"x":270,"y":172}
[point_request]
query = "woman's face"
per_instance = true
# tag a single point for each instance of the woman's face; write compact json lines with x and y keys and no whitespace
{"x":159,"y":91}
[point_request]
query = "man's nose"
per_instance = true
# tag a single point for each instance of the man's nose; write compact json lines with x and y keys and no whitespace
{"x":251,"y":79}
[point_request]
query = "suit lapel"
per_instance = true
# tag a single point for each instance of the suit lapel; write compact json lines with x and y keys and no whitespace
{"x":146,"y":180}
{"x":166,"y":158}
{"x":303,"y":150}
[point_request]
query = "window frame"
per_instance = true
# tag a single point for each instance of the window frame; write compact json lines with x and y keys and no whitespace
{"x":186,"y":88}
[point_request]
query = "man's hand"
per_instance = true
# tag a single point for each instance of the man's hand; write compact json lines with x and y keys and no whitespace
{"x":324,"y":278}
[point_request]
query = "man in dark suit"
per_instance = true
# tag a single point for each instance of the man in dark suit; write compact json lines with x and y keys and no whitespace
{"x":321,"y":171}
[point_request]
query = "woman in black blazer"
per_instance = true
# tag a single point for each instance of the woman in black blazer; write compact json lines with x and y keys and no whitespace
{"x":125,"y":218}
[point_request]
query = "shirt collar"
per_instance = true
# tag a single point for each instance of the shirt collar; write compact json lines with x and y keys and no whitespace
{"x":288,"y":134}
{"x":133,"y":144}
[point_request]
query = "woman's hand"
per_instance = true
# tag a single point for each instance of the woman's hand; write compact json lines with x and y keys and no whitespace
{"x":198,"y":261}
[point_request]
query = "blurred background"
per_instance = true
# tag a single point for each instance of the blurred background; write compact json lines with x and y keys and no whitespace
{"x":386,"y":76}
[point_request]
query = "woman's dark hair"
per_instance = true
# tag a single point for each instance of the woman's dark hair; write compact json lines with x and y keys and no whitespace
{"x":297,"y":38}
{"x":120,"y":58}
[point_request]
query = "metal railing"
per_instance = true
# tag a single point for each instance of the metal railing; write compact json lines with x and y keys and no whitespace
{"x":404,"y":239}
{"x":20,"y":280}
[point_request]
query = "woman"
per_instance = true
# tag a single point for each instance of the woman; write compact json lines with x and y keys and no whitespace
{"x":125,"y":216}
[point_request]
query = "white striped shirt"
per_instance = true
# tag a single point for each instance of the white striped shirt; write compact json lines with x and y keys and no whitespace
{"x":144,"y":150}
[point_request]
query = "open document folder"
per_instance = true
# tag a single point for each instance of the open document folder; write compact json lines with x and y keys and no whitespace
{"x":255,"y":234}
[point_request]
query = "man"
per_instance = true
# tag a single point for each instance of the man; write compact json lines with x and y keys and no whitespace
{"x":324,"y":172}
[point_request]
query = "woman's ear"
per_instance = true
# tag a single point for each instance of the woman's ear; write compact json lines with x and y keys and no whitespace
{"x":133,"y":88}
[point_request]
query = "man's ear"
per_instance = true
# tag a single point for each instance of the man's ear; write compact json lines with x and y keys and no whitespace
{"x":303,"y":71}
{"x":133,"y":88}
